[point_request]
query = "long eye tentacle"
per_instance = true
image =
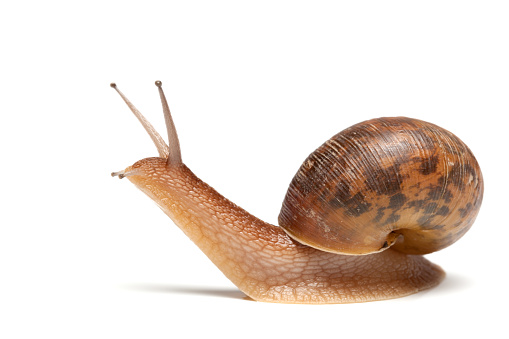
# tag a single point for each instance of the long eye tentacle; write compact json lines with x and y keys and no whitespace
{"x":161,"y":146}
{"x":174,"y":157}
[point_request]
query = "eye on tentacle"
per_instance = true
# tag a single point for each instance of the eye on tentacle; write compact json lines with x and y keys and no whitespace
{"x":171,"y":153}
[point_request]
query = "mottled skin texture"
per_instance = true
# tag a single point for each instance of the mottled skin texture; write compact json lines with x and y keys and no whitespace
{"x":262,"y":260}
{"x":387,"y":181}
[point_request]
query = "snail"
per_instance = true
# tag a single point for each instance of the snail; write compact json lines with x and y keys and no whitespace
{"x":354,"y":225}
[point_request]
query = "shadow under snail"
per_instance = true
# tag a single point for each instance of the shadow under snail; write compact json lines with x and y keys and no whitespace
{"x":356,"y":219}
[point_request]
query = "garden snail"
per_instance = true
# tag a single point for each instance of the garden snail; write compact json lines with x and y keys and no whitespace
{"x":357,"y":216}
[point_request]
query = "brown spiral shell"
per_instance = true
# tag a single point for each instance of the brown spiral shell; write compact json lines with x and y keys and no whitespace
{"x":388,"y":181}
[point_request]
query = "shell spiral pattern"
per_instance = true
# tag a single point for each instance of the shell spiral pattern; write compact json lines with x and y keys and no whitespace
{"x":388,"y":182}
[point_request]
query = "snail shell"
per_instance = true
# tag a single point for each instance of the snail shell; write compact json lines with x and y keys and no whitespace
{"x":385,"y":182}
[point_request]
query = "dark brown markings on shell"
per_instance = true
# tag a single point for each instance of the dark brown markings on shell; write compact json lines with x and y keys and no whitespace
{"x":384,"y":181}
{"x":456,"y":174}
{"x":460,"y":174}
{"x":357,"y":205}
{"x":314,"y":177}
{"x":428,"y":165}
{"x":447,"y":196}
{"x":430,"y":208}
{"x":367,"y":145}
{"x":425,"y":220}
{"x":435,"y":192}
{"x":342,"y":194}
{"x":440,"y":191}
{"x":443,"y":211}
{"x":354,"y":206}
{"x":397,"y":201}
{"x":464,"y":211}
{"x":417,"y":204}
{"x":392,"y":219}
{"x":380,"y":214}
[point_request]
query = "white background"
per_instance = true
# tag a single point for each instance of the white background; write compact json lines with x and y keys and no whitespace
{"x":254,"y":87}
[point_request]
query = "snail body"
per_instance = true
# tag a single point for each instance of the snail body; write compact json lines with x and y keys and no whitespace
{"x":284,"y":264}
